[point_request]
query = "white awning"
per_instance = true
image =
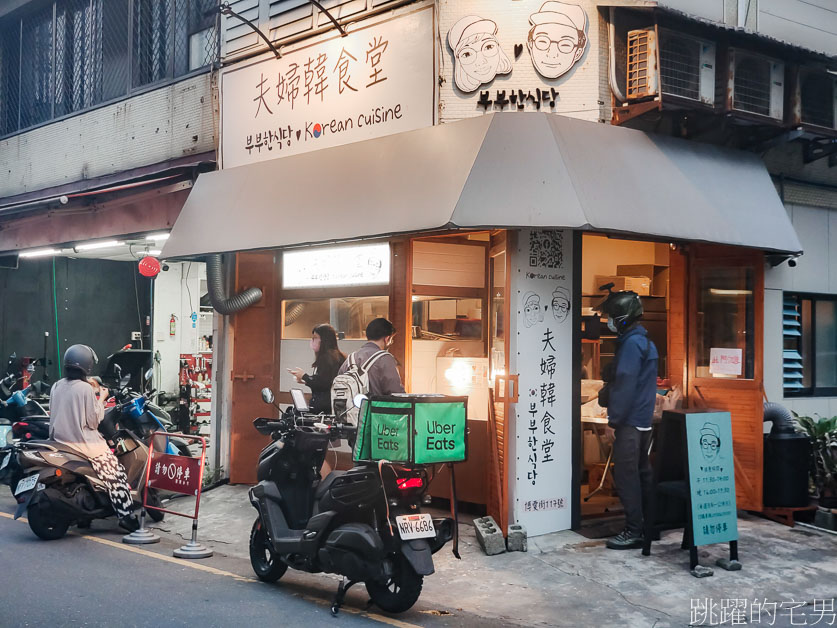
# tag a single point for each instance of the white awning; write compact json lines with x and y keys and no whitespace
{"x":499,"y":170}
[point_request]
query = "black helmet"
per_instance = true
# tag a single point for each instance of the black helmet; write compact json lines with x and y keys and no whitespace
{"x":624,"y":308}
{"x":80,"y":357}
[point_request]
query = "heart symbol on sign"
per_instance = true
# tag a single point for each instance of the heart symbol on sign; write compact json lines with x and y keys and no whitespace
{"x":298,"y":133}
{"x":518,"y":50}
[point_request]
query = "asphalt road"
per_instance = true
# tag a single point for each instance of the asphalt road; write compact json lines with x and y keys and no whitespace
{"x":90,"y":578}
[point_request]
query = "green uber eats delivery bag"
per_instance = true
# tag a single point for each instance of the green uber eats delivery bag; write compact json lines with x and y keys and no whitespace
{"x":416,"y":429}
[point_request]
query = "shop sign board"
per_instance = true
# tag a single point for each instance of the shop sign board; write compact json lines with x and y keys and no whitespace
{"x":336,"y":266}
{"x":542,"y":357}
{"x":528,"y":55}
{"x":711,"y":477}
{"x":376,"y":81}
{"x":725,"y":361}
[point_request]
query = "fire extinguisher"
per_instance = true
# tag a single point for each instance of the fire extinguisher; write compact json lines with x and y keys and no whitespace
{"x":172,"y":325}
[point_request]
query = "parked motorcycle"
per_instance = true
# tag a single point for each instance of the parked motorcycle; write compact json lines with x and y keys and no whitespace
{"x":57,"y":487}
{"x":364,"y":524}
{"x":27,"y":417}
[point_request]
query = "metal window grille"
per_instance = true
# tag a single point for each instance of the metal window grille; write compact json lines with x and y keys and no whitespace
{"x":680,"y":66}
{"x":792,"y":365}
{"x":817,"y":96}
{"x":640,"y":63}
{"x":751,"y":83}
{"x":72,"y":55}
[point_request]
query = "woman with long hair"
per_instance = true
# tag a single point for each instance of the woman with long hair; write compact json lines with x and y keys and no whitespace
{"x":327,"y":361}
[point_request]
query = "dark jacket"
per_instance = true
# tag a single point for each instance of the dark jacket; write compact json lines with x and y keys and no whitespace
{"x":320,"y":384}
{"x":633,"y":391}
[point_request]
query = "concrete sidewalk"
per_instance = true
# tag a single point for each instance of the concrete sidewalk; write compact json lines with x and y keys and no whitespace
{"x":568,"y":580}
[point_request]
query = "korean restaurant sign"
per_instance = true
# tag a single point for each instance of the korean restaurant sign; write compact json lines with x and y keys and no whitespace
{"x":541,"y":354}
{"x":336,"y":266}
{"x":376,"y":81}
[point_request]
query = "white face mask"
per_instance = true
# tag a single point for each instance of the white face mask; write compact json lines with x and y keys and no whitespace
{"x":611,"y":325}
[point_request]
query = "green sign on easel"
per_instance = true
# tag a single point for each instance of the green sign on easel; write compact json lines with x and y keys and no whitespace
{"x":711,"y":477}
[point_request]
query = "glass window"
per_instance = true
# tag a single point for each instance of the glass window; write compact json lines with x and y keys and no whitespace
{"x":348,"y":315}
{"x":809,"y":324}
{"x":447,"y":318}
{"x":725,"y":323}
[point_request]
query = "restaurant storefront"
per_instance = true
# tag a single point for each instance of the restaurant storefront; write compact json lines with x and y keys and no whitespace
{"x":483,"y":240}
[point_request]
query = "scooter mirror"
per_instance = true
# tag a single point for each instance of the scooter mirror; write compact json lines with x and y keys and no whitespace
{"x":359,"y":399}
{"x":149,"y":374}
{"x":267,"y":395}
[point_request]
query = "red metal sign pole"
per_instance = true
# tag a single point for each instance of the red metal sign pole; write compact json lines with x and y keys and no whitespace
{"x":143,"y":536}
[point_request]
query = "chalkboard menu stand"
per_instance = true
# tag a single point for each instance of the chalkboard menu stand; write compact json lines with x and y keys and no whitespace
{"x":673,"y":473}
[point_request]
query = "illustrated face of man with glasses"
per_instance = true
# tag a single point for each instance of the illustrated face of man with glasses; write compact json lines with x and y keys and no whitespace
{"x":557,"y":39}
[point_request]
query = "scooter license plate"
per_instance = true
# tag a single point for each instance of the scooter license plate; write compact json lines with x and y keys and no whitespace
{"x":415,"y":526}
{"x":26,"y":484}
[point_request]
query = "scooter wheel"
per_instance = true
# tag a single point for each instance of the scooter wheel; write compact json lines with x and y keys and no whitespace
{"x":44,"y":526}
{"x":401,"y":591}
{"x":266,"y":564}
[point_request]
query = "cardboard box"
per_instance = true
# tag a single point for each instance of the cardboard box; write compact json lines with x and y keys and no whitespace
{"x":658,"y":274}
{"x":640,"y":285}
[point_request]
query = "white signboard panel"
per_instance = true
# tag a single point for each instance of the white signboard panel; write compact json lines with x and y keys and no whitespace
{"x":542,"y":357}
{"x":376,"y":81}
{"x":725,"y":361}
{"x":336,"y":266}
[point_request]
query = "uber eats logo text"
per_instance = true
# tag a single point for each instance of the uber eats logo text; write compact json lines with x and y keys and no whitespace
{"x":439,"y":436}
{"x":388,"y":437}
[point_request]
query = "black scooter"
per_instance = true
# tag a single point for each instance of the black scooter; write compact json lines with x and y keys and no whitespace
{"x":364,"y":524}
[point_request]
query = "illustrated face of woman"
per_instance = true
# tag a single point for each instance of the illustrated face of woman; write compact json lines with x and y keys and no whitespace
{"x":480,"y":59}
{"x":315,"y":343}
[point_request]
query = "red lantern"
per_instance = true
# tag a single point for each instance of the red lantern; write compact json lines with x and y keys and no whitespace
{"x":149,"y":267}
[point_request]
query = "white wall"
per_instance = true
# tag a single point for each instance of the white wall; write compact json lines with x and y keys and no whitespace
{"x":808,"y":23}
{"x":816,"y":272}
{"x":167,"y":123}
{"x":177,"y":291}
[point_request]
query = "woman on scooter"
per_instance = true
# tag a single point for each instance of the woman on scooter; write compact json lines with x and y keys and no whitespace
{"x":327,"y":361}
{"x":77,"y":405}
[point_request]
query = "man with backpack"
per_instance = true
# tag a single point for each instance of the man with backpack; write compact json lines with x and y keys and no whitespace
{"x":371,"y":370}
{"x":631,"y":394}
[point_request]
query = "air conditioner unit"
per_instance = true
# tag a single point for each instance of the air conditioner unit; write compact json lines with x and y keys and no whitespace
{"x":687,"y":67}
{"x":642,"y":64}
{"x":815,"y":103}
{"x":756,"y":85}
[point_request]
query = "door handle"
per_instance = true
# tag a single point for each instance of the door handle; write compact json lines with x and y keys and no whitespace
{"x":243,"y":376}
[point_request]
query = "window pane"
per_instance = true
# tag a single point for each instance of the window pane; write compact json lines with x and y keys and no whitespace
{"x":152,"y":40}
{"x":9,"y":75}
{"x":36,"y":92}
{"x":115,"y":42}
{"x":78,"y":63}
{"x":826,"y":343}
{"x":726,"y":321}
{"x":447,"y":318}
{"x":349,"y":316}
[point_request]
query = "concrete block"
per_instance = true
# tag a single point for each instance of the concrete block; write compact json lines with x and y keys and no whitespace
{"x":517,"y":540}
{"x":489,"y":536}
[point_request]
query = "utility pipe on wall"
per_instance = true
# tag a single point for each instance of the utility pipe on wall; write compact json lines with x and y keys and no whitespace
{"x":215,"y":285}
{"x":611,"y":36}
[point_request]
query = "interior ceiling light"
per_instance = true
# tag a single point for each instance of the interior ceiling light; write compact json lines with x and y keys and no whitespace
{"x":98,"y":245}
{"x":40,"y":253}
{"x":157,"y":236}
{"x":729,"y":293}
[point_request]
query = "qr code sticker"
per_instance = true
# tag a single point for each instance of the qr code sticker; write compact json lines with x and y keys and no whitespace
{"x":546,"y":249}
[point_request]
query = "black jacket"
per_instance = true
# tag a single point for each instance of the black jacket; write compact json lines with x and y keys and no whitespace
{"x":320,"y":384}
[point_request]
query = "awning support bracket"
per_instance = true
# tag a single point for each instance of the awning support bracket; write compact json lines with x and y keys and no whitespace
{"x":343,"y":33}
{"x":225,"y":9}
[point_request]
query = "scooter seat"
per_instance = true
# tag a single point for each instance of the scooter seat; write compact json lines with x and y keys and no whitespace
{"x":327,"y":483}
